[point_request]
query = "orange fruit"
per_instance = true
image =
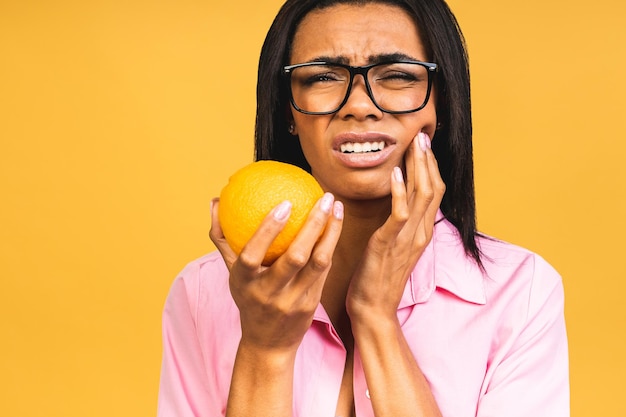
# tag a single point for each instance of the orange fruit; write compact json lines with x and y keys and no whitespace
{"x":253,"y":191}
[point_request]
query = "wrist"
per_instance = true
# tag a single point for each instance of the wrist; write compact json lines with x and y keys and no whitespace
{"x":269,"y":356}
{"x":372,"y":324}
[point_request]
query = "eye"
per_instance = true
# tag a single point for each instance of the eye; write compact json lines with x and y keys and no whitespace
{"x":318,"y":75}
{"x":323,"y":77}
{"x":400,"y":74}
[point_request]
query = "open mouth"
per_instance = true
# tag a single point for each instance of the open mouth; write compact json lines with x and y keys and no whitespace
{"x":362,"y":147}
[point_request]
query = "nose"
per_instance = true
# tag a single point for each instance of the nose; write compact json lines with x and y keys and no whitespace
{"x":360,"y":104}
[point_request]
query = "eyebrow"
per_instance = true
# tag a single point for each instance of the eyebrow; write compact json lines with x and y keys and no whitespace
{"x":372,"y":59}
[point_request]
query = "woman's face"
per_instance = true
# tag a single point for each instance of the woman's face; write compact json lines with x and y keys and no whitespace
{"x":358,"y":35}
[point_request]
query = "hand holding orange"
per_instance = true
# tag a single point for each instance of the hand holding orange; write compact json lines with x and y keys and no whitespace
{"x":253,"y":191}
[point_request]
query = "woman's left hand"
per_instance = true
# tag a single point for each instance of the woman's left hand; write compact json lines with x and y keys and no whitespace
{"x":394,"y":249}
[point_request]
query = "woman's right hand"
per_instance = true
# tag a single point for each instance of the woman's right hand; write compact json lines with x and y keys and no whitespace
{"x":277,"y":303}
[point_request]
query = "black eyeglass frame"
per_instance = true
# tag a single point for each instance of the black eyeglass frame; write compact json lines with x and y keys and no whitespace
{"x":430,"y":67}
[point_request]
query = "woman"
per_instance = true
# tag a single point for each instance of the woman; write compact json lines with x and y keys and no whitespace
{"x":400,"y":308}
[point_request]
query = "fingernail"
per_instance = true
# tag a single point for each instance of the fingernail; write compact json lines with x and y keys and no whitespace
{"x":397,"y":174}
{"x":424,"y":141}
{"x":327,"y":202}
{"x":282,"y":211}
{"x":338,"y":210}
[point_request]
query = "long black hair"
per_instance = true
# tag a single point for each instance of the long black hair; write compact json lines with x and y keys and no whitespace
{"x":444,"y":41}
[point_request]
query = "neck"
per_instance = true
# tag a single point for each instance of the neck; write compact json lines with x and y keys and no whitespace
{"x":361,"y":220}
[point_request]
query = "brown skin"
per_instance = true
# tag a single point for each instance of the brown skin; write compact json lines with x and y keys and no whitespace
{"x":369,"y":246}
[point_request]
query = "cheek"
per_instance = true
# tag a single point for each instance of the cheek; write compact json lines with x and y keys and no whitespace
{"x":310,"y":148}
{"x":424,"y":120}
{"x":315,"y":154}
{"x":311,"y":132}
{"x":428,"y":119}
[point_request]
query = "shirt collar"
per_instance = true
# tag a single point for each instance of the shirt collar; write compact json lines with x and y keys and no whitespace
{"x":444,"y":264}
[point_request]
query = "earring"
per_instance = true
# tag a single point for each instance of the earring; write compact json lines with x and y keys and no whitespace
{"x":439,"y":125}
{"x":292,"y":128}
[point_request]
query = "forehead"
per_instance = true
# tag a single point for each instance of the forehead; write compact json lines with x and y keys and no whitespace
{"x":356,"y":33}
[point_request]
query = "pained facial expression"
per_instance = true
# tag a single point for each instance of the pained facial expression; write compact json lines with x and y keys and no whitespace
{"x":358,"y":35}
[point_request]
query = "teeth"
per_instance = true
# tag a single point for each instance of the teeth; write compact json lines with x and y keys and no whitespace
{"x":362,"y":147}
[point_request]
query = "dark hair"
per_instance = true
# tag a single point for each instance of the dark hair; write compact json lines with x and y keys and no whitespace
{"x":443,"y":39}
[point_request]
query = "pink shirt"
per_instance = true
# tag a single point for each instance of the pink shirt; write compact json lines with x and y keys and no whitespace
{"x":490,"y":345}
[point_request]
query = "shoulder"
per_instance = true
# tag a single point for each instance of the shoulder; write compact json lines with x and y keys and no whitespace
{"x":203,"y":279}
{"x":510,"y":268}
{"x":503,"y":259}
{"x":210,"y":267}
{"x":211,"y":261}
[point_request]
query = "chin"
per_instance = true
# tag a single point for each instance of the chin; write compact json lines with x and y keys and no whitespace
{"x":366,"y":193}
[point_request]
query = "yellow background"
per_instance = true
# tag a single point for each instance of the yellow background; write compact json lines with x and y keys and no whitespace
{"x":121,"y":119}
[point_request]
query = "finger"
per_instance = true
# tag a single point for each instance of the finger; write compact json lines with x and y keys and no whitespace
{"x":438,"y":185}
{"x":217,"y":236}
{"x":424,"y":191}
{"x":409,"y":165}
{"x":253,"y":253}
{"x":313,"y":275}
{"x":399,"y":208}
{"x":299,"y":251}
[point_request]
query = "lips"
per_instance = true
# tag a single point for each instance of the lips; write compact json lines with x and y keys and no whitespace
{"x":363,"y":150}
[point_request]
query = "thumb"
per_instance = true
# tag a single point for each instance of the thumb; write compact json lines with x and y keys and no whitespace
{"x":217,"y":236}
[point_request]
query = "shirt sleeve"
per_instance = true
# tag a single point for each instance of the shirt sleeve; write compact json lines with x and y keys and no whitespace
{"x":184,"y":388}
{"x":533,"y":377}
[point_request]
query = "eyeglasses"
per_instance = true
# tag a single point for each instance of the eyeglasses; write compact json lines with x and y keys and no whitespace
{"x":394,"y":87}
